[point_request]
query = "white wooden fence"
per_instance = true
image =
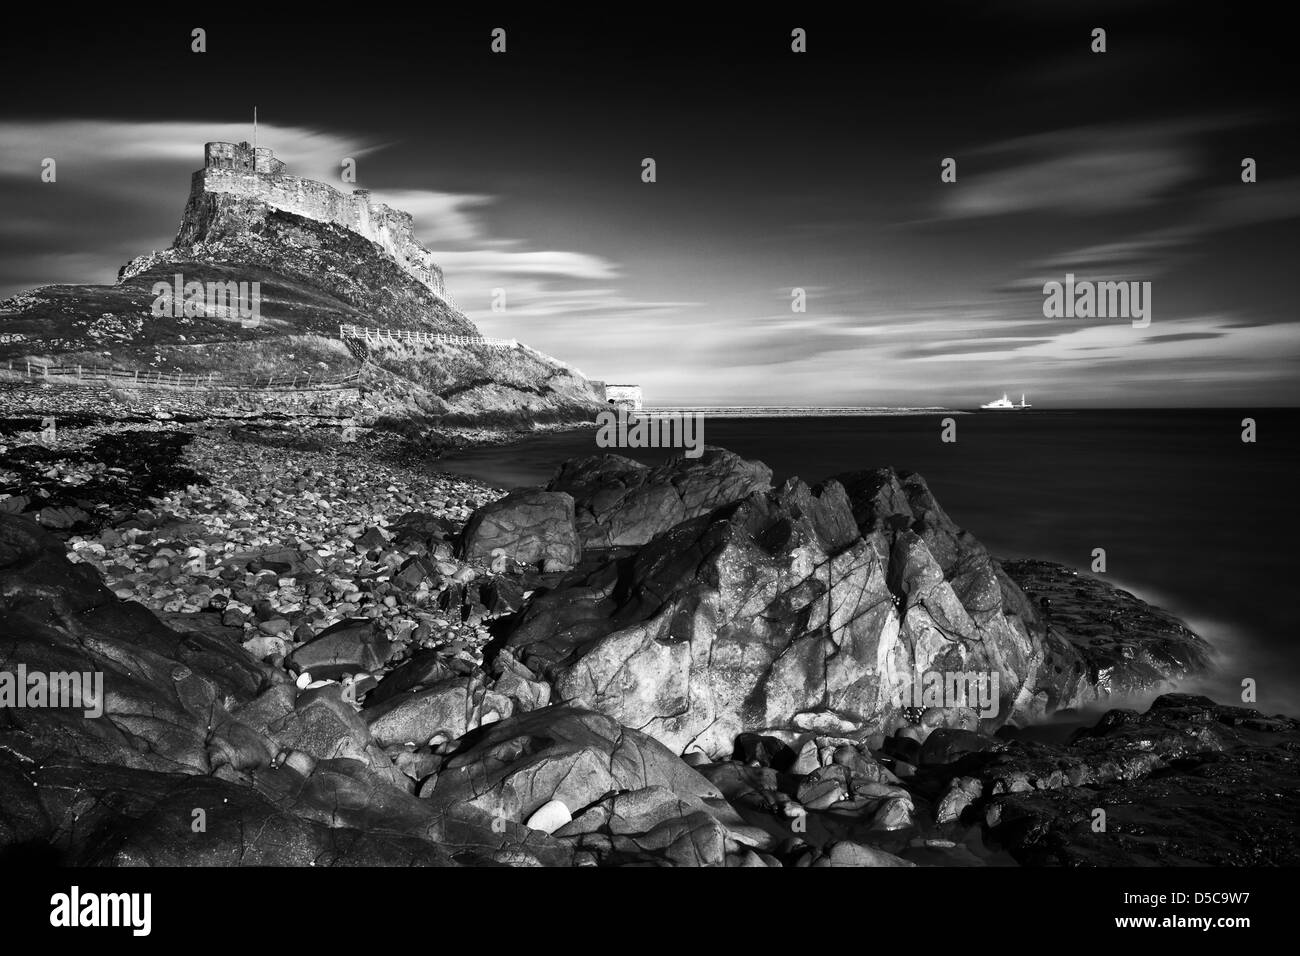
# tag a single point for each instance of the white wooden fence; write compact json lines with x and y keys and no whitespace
{"x":397,"y":336}
{"x":143,"y":378}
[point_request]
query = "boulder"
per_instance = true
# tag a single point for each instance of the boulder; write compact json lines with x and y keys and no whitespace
{"x":620,"y":502}
{"x":512,"y":768}
{"x":348,"y":647}
{"x":449,"y":708}
{"x":772,"y":615}
{"x":961,"y":792}
{"x":651,"y":825}
{"x":532,"y":527}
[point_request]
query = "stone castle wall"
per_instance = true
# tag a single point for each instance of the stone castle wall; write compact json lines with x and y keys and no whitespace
{"x":236,"y":170}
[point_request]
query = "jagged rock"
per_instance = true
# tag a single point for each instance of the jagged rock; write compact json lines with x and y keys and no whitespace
{"x":520,"y":684}
{"x":804,"y":609}
{"x":502,"y":595}
{"x":532,"y":527}
{"x":807,"y":760}
{"x":770,"y":615}
{"x":961,"y":792}
{"x":414,"y":572}
{"x":620,"y":502}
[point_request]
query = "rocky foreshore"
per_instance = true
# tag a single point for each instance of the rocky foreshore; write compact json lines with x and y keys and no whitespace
{"x":325,"y":653}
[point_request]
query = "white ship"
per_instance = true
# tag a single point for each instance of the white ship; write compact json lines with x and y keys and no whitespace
{"x":1005,"y":402}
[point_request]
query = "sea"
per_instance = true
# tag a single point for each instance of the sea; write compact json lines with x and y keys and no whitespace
{"x":1191,"y":517}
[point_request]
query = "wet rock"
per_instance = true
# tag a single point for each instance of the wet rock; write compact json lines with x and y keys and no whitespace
{"x":1103,"y":639}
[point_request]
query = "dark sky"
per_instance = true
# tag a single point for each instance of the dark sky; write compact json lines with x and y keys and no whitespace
{"x":775,"y":170}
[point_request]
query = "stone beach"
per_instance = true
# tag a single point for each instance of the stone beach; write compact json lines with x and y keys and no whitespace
{"x":346,"y":657}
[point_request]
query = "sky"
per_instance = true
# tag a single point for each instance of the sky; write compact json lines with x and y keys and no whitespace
{"x":775,"y":171}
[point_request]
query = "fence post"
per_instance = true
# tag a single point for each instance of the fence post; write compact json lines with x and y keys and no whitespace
{"x":137,"y":376}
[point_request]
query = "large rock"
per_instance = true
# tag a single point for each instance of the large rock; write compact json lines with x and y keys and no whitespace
{"x":512,"y":768}
{"x":808,"y":609}
{"x":620,"y":502}
{"x":349,"y":647}
{"x":774,"y":615}
{"x":167,"y":697}
{"x":533,"y":527}
{"x":1188,"y":783}
{"x":1101,"y":640}
{"x":450,"y":708}
{"x":190,"y":722}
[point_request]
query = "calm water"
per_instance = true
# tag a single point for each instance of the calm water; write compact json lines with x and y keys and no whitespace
{"x":1192,"y":518}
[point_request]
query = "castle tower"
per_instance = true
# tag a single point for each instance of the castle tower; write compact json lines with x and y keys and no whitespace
{"x":251,"y":171}
{"x":242,"y":158}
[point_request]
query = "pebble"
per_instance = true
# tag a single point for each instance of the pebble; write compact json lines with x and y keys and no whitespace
{"x":549,"y":817}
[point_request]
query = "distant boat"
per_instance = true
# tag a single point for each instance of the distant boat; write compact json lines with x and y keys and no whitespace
{"x":1005,"y":402}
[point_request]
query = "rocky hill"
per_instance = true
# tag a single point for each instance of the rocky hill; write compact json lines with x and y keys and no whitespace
{"x":313,"y":276}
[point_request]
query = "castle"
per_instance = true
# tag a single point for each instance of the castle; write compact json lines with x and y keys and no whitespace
{"x":239,"y":169}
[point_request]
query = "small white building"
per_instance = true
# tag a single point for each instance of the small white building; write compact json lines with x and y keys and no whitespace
{"x":628,"y":396}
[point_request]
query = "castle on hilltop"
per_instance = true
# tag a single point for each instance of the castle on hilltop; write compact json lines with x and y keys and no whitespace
{"x":253,"y":172}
